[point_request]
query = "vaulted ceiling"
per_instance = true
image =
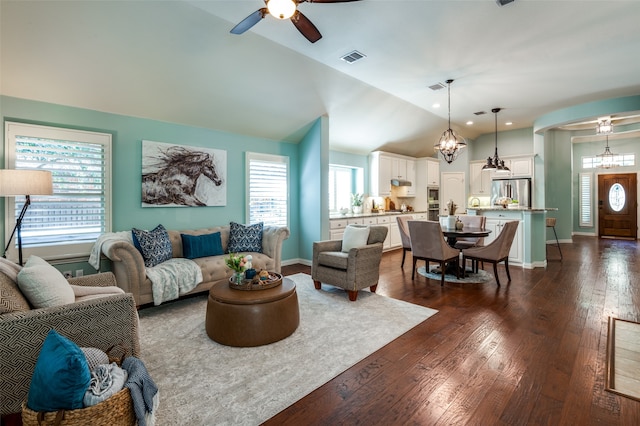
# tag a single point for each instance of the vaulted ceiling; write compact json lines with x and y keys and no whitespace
{"x":176,"y":61}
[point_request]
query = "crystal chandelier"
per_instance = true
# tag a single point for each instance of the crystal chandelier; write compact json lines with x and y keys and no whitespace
{"x":607,"y":158}
{"x":604,"y":126}
{"x":450,"y":143}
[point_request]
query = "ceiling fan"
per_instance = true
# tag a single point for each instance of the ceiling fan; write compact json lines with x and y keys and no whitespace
{"x":285,"y":9}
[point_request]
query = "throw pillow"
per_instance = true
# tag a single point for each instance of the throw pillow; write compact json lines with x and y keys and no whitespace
{"x":245,"y":237}
{"x":11,"y":300}
{"x":43,"y":285}
{"x":354,"y":236}
{"x":154,"y":245}
{"x":61,"y":376}
{"x":194,"y":246}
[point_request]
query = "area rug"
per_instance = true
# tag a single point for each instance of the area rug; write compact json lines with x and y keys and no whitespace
{"x":479,"y":277}
{"x":204,"y":383}
{"x":623,"y":358}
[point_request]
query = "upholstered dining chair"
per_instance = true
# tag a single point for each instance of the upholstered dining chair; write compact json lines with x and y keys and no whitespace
{"x":403,"y":226}
{"x":495,"y":252}
{"x":337,"y":263}
{"x":428,"y":244}
{"x":471,"y":222}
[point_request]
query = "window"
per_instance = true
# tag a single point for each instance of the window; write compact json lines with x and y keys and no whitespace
{"x":594,"y":162}
{"x":343,"y":181}
{"x":268,"y":177}
{"x":586,"y":219}
{"x":67,"y":223}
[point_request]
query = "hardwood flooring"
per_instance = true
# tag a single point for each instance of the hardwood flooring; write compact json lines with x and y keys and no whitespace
{"x":528,"y":353}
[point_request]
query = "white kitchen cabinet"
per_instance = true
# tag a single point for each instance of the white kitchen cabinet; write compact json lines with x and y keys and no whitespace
{"x":394,"y":235}
{"x":516,"y":254}
{"x":386,"y":222}
{"x":479,"y":180}
{"x":384,"y":167}
{"x":411,"y":177}
{"x":433,"y":172}
{"x":520,"y":166}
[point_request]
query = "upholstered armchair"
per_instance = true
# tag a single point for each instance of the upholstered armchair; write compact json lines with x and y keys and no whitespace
{"x":102,"y":322}
{"x":351,"y":270}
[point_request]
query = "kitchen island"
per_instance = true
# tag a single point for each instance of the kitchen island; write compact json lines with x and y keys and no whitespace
{"x":529,"y":244}
{"x":337,"y":223}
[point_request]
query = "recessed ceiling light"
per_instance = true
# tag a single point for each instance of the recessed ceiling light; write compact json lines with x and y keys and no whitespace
{"x":469,"y":123}
{"x":508,"y":123}
{"x":436,"y":105}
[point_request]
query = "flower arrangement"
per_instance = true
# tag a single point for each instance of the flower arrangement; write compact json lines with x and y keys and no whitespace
{"x":357,"y":199}
{"x":451,"y":206}
{"x":236,"y":262}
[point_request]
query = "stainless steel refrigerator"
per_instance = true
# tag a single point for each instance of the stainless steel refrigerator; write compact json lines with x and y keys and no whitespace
{"x":515,"y":189}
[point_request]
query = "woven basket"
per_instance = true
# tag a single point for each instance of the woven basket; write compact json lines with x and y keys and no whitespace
{"x":116,"y":410}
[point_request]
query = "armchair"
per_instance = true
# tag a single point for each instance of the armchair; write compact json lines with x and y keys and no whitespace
{"x":102,"y":323}
{"x":352,"y":271}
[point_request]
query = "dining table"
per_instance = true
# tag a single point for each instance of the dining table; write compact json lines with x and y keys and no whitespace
{"x":453,"y":234}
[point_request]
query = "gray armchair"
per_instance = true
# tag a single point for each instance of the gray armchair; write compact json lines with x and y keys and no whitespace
{"x":352,"y":271}
{"x":104,"y":322}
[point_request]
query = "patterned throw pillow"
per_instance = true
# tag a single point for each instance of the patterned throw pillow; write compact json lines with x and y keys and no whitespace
{"x":11,"y":299}
{"x":245,"y":238}
{"x":154,"y":245}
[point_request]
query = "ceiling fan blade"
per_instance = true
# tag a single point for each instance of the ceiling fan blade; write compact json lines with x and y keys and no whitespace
{"x":306,"y":27}
{"x":250,"y":21}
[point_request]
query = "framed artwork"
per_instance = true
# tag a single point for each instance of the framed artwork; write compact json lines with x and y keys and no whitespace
{"x":183,"y":176}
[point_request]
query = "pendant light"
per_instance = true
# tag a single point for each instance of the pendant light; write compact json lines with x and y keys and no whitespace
{"x":450,"y":144}
{"x":607,"y":157}
{"x":495,"y":164}
{"x":604,"y":126}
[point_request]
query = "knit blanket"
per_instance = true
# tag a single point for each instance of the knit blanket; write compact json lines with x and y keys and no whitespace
{"x":173,"y":278}
{"x":96,"y":250}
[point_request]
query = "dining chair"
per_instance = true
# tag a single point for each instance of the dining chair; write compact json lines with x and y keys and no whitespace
{"x":428,"y":244}
{"x":403,"y":226}
{"x":472,"y":222}
{"x":495,"y":252}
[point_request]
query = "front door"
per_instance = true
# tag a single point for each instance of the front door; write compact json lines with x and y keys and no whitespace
{"x":617,"y":206}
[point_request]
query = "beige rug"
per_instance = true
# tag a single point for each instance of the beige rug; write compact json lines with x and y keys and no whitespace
{"x":204,"y":383}
{"x":623,"y":358}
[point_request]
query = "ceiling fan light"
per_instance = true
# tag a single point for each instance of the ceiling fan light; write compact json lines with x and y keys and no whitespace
{"x":281,"y":9}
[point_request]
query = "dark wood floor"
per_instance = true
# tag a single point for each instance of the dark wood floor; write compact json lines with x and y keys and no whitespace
{"x":529,"y":353}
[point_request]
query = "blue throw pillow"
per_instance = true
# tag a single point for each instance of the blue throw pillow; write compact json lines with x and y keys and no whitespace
{"x":154,"y":245}
{"x":61,"y":376}
{"x":245,"y":237}
{"x":194,"y":246}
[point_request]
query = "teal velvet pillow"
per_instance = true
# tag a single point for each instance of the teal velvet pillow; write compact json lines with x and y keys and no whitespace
{"x":61,"y":376}
{"x":194,"y":246}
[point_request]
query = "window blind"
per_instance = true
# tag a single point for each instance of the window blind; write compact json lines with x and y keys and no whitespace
{"x":268,"y":189}
{"x":586,"y":218}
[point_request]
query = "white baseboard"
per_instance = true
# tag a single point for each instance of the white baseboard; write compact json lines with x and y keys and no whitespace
{"x":295,"y":262}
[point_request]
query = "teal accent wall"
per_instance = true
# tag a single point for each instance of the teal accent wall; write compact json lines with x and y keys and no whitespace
{"x":128,"y":133}
{"x":314,"y":190}
{"x":558,"y":175}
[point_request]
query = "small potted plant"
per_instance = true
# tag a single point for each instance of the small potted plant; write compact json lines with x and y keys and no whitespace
{"x":356,"y":202}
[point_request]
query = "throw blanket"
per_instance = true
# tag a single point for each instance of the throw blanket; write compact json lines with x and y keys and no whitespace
{"x":106,"y":381}
{"x":96,"y":250}
{"x":173,"y":278}
{"x":144,"y":392}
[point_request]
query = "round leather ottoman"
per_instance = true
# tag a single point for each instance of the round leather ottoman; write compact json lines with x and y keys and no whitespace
{"x":252,"y":318}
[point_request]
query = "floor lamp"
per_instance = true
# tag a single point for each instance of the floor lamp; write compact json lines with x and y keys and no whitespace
{"x":23,"y":182}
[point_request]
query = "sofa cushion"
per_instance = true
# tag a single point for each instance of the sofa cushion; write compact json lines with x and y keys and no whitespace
{"x":154,"y":245}
{"x":61,"y":376}
{"x":43,"y":285}
{"x":333,"y":259}
{"x":11,"y":299}
{"x":354,"y":236}
{"x":245,"y":237}
{"x":195,"y":246}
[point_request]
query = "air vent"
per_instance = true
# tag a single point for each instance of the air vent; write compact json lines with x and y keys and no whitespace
{"x":437,"y":86}
{"x":351,"y":57}
{"x":480,"y":113}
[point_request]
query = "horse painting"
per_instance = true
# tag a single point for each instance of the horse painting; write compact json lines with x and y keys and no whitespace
{"x":177,"y":174}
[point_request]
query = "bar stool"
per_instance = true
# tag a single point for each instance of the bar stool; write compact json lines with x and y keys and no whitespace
{"x":551,"y":223}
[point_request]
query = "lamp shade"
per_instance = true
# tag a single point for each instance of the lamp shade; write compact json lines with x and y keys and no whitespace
{"x":25,"y":182}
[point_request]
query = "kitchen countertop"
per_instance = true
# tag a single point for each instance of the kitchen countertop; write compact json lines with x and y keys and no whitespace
{"x":369,"y":214}
{"x":516,"y":209}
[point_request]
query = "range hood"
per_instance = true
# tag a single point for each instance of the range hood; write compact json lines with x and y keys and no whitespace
{"x":400,"y":182}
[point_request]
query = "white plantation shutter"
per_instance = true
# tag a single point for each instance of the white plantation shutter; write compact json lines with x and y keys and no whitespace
{"x":66,"y":223}
{"x":586,"y":218}
{"x":268,"y":189}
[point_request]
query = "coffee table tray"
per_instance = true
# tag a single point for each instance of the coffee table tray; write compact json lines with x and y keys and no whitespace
{"x":274,"y":280}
